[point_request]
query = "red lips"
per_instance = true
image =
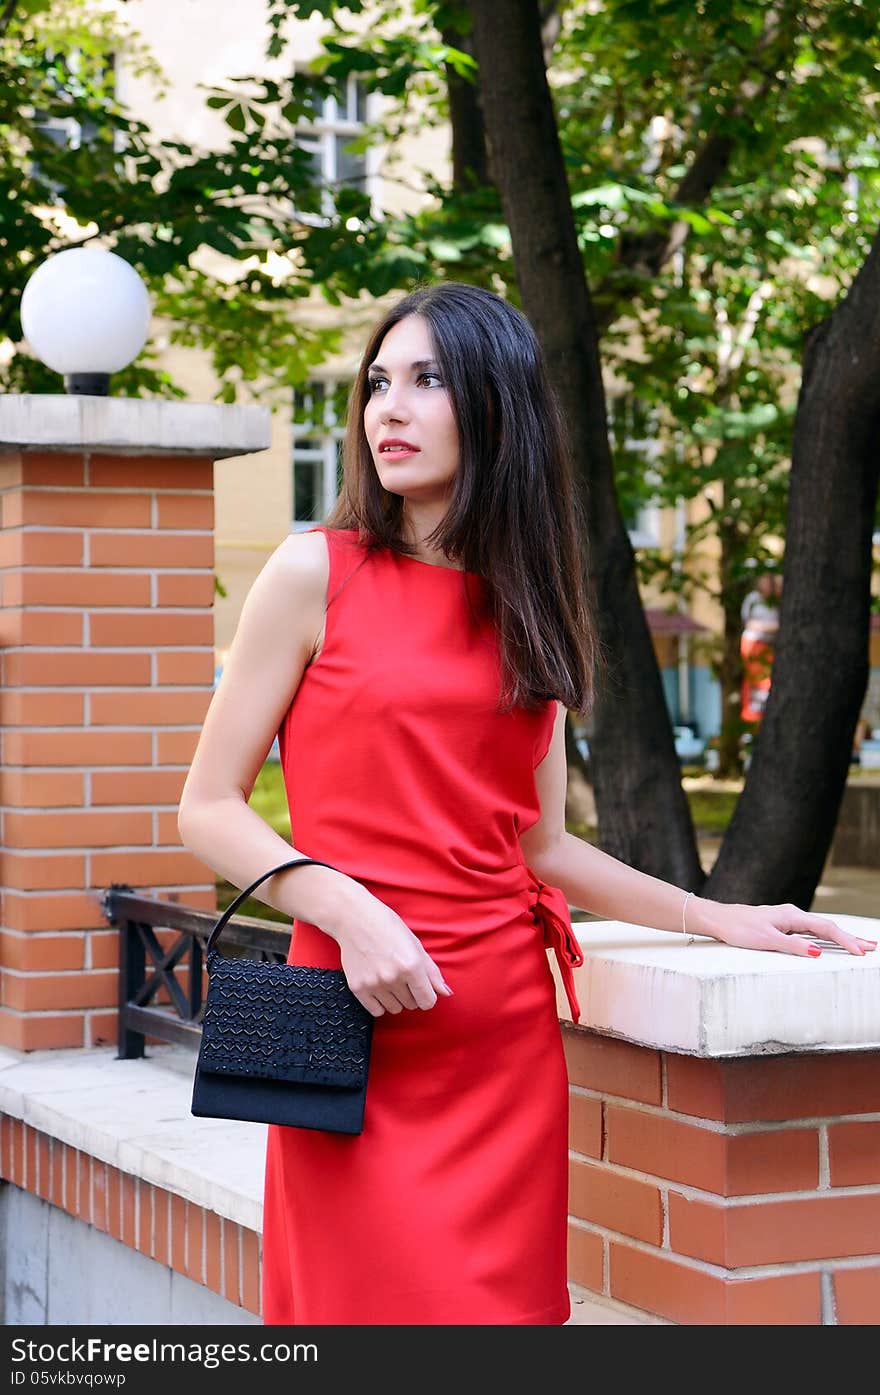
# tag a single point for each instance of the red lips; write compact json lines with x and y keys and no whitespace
{"x":394,"y":442}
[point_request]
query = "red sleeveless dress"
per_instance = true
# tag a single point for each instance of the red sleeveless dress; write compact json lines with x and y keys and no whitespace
{"x":451,"y":1206}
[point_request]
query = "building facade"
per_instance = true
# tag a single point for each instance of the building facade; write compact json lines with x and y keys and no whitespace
{"x":294,"y":484}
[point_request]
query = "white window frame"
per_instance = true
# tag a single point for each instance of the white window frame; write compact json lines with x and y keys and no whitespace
{"x":319,"y":136}
{"x":646,"y":531}
{"x":328,"y":433}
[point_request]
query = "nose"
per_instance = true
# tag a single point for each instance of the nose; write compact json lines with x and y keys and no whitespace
{"x":393,"y":406}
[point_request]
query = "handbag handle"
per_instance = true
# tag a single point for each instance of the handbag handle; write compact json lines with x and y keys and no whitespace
{"x":243,"y":895}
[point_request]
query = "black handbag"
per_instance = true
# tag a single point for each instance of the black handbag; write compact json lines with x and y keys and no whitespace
{"x":281,"y":1043}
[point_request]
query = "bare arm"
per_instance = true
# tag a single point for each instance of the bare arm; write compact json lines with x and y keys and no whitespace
{"x":603,"y":885}
{"x":259,"y":679}
{"x":278,"y":632}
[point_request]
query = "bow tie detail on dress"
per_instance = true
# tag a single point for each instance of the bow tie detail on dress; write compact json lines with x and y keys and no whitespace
{"x":550,"y":910}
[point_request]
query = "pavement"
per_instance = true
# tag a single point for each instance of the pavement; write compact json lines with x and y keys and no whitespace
{"x":842,"y":890}
{"x":848,"y":891}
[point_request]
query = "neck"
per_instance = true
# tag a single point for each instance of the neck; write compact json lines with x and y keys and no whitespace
{"x":418,"y":522}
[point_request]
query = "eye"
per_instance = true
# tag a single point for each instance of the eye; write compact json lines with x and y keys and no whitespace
{"x":432,"y":379}
{"x":376,"y":382}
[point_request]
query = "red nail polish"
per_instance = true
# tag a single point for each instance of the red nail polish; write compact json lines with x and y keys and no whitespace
{"x":814,"y":951}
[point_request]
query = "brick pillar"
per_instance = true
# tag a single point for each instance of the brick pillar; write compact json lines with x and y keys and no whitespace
{"x":107,"y":658}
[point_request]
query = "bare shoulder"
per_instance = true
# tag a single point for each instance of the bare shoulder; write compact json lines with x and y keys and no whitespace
{"x":289,"y":597}
{"x":302,"y":563}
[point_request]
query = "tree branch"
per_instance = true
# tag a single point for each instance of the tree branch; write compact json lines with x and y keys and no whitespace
{"x":647,"y":253}
{"x":6,"y":16}
{"x":470,"y":164}
{"x":551,"y":28}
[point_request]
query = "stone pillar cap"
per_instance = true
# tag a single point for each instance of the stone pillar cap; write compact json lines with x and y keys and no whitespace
{"x":131,"y":426}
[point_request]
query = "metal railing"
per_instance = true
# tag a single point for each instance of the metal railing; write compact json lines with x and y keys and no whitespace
{"x":150,"y":969}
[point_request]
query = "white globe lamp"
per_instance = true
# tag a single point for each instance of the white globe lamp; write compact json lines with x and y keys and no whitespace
{"x":85,"y":313}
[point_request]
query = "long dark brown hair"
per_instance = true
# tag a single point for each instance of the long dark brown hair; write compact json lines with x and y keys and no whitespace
{"x":514,"y":515}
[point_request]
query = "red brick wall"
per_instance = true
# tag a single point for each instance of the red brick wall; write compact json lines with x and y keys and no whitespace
{"x":106,"y":669}
{"x":205,"y":1247}
{"x":726,"y":1192}
{"x":735,"y":1193}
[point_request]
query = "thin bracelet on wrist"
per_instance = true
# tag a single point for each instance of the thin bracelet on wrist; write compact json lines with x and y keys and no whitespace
{"x":690,"y":939}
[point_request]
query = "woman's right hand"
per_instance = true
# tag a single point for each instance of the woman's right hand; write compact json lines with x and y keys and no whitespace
{"x":386,"y":966}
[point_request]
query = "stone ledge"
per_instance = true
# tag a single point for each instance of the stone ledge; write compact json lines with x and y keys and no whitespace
{"x":638,"y":984}
{"x":136,"y":1116}
{"x":706,"y":999}
{"x":131,"y":426}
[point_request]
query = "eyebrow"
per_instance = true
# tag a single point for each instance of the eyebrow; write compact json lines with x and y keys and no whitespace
{"x":420,"y":363}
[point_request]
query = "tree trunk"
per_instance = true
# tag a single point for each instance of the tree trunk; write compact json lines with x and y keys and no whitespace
{"x":778,"y":840}
{"x":643,"y":813}
{"x":470,"y":165}
{"x":730,"y":674}
{"x":470,"y":170}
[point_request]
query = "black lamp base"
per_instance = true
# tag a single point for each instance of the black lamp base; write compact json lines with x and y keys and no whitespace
{"x":88,"y":384}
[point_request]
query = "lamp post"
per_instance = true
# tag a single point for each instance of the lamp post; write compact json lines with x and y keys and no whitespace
{"x":85,"y":313}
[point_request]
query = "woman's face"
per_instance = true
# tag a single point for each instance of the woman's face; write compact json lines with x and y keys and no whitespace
{"x":408,"y":420}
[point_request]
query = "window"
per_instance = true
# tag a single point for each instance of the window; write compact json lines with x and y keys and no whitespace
{"x":337,"y":121}
{"x":63,"y":86}
{"x":643,"y":526}
{"x":318,"y":432}
{"x":635,"y":445}
{"x":67,"y":131}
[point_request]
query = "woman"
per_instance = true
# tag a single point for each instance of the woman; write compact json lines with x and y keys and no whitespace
{"x":760,"y":618}
{"x":416,"y":656}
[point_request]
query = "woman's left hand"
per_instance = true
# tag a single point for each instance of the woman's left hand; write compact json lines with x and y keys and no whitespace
{"x":784,"y":929}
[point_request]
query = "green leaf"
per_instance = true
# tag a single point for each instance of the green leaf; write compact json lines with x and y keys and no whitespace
{"x":612,"y":196}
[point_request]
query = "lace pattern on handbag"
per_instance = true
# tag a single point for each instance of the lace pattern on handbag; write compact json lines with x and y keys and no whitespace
{"x":283,"y":1022}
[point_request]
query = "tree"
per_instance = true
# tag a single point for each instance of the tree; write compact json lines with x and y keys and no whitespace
{"x":721,"y":334}
{"x":756,"y":98}
{"x":693,"y":180}
{"x":75,"y":167}
{"x":781,"y":830}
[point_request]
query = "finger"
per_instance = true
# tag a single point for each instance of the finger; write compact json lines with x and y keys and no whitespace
{"x":862,"y":947}
{"x":826,"y":939}
{"x":382,"y":998}
{"x":437,"y":981}
{"x":406,"y":997}
{"x":423,"y":994}
{"x":372,"y":1004}
{"x":829,"y":932}
{"x":388,"y":1000}
{"x":791,"y":943}
{"x":838,"y":938}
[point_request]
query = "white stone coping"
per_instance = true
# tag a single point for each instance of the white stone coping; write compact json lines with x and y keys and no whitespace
{"x":638,"y":984}
{"x":131,"y":426}
{"x":136,"y":1116}
{"x":705,"y":999}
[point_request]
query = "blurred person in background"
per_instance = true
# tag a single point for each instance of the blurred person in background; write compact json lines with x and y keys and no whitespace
{"x":760,"y":618}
